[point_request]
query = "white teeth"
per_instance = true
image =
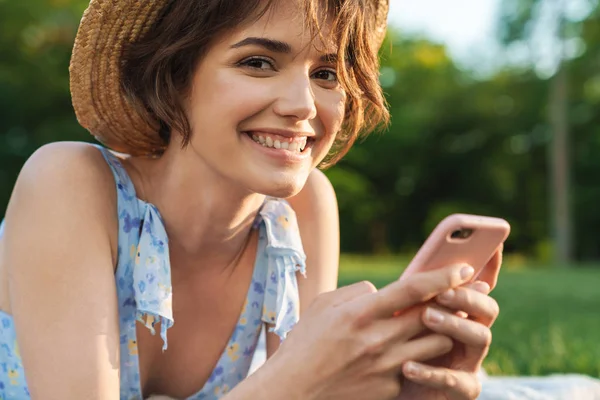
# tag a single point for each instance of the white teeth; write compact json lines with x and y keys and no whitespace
{"x":266,"y":141}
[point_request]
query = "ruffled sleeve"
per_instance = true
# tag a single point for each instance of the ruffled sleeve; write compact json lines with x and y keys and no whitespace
{"x":285,"y":257}
{"x":152,"y":275}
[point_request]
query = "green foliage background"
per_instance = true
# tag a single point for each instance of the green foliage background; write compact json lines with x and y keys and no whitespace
{"x":457,"y":143}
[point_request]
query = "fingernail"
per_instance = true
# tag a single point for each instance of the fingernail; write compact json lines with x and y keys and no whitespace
{"x":447,"y":295}
{"x":434,"y":316}
{"x":466,"y":272}
{"x":412,"y":369}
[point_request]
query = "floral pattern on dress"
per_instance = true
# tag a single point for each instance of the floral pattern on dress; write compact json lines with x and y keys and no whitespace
{"x":152,"y":275}
{"x":284,"y":258}
{"x":143,"y":281}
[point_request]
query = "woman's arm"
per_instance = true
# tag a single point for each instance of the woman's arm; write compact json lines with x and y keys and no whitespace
{"x":59,"y":251}
{"x":317,"y":213}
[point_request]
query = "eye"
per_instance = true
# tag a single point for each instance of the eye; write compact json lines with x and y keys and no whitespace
{"x":326,"y":75}
{"x":257,"y":63}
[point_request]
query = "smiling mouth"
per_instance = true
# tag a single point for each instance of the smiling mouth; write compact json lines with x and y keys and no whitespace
{"x":298,"y":145}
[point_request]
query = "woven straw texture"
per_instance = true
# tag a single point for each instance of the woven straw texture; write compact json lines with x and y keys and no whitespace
{"x":106,"y":28}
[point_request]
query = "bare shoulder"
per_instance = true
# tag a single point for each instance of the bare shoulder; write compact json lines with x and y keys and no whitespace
{"x":68,"y":164}
{"x":65,"y":176}
{"x":59,"y":253}
{"x":316,"y":198}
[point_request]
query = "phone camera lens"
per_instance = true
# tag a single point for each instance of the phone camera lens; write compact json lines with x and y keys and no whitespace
{"x":464,"y":233}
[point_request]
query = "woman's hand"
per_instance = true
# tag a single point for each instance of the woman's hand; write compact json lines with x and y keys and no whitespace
{"x":466,"y":315}
{"x":349,"y":346}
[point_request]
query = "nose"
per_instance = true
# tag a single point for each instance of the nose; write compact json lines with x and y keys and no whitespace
{"x":297,"y":99}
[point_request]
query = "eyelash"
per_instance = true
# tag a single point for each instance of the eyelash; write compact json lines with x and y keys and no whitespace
{"x":248,"y":61}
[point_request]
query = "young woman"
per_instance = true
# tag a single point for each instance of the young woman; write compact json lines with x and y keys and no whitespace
{"x":216,"y":111}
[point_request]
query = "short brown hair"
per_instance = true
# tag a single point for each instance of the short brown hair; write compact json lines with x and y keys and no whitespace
{"x":158,"y":69}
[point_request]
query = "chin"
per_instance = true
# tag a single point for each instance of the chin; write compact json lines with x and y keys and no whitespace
{"x":280,"y":186}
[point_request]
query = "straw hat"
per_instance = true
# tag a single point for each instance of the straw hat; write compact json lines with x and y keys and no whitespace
{"x":106,"y":28}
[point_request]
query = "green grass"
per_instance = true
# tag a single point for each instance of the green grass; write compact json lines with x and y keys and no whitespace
{"x":549,"y":320}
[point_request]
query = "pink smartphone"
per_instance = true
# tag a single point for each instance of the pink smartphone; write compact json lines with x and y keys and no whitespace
{"x":460,"y":238}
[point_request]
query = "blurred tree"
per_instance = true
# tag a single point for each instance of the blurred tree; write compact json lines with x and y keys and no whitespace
{"x":457,"y":143}
{"x":35,"y":108}
{"x":544,"y":24}
{"x":584,"y":99}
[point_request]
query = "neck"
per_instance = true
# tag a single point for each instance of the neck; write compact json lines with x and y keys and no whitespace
{"x":207,"y":217}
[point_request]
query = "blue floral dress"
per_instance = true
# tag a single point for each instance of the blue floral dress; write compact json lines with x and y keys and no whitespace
{"x":143,"y":279}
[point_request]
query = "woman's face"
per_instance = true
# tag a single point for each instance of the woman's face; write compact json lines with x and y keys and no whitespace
{"x":266,"y":105}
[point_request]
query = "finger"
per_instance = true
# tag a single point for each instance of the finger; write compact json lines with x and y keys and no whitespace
{"x":421,"y":349}
{"x":490,"y":272}
{"x":480,"y":307}
{"x":435,"y":304}
{"x":471,"y":333}
{"x":480,"y":286}
{"x":416,"y":289}
{"x":401,"y":328}
{"x":456,"y":384}
{"x":348,"y":293}
{"x":474,"y":351}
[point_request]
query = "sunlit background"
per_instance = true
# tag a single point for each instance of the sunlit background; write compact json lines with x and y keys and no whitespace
{"x":495,"y":110}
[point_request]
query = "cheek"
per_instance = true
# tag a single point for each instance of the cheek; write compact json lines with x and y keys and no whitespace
{"x":331,"y":111}
{"x":224,"y":100}
{"x":331,"y":114}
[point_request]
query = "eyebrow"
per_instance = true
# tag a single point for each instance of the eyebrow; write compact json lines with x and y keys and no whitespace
{"x":277,"y":46}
